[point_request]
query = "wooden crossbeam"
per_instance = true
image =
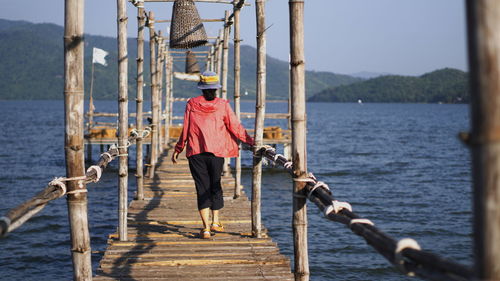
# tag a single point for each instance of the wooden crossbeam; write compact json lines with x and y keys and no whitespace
{"x":203,"y":1}
{"x":203,"y":20}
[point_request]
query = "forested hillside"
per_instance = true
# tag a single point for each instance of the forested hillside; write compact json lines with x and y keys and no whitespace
{"x":31,"y":67}
{"x":445,"y":85}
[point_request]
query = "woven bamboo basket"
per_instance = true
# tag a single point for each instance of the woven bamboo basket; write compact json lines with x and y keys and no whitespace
{"x":191,"y":63}
{"x":186,"y":29}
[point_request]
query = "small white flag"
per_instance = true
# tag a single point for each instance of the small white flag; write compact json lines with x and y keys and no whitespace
{"x":99,"y":56}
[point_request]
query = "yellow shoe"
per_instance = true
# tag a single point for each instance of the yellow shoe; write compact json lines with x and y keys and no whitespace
{"x":205,"y":234}
{"x":217,"y":227}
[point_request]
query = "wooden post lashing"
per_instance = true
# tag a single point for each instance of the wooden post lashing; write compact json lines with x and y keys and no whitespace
{"x":73,"y":138}
{"x":483,"y":18}
{"x":260,"y":111}
{"x":159,"y":79}
{"x":122,"y":118}
{"x":299,"y":149}
{"x":141,"y":21}
{"x":225,"y":69}
{"x":154,"y":95}
{"x":237,"y":88}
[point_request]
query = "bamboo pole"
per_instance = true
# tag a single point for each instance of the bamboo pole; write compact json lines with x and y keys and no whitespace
{"x":237,"y":86}
{"x":154,"y":95}
{"x":260,"y":110}
{"x":73,"y":138}
{"x":159,"y":79}
{"x":122,"y":118}
{"x":225,"y":69}
{"x":168,"y":70}
{"x":171,"y":96}
{"x":141,"y":21}
{"x":212,"y":58}
{"x":483,"y":18}
{"x":299,"y":149}
{"x":225,"y":55}
{"x":220,"y":52}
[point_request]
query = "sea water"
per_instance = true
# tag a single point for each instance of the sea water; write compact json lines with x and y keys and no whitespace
{"x":399,"y":165}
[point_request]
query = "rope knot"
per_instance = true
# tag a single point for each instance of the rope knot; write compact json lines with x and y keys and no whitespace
{"x":336,"y":207}
{"x":98,"y":172}
{"x":59,"y":182}
{"x":398,"y":254}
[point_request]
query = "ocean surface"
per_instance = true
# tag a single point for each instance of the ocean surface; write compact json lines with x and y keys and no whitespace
{"x":399,"y":165}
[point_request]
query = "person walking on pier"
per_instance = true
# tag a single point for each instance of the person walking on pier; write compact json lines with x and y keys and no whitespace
{"x":211,"y":132}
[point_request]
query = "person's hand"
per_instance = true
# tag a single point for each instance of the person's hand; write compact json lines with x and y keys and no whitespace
{"x":175,"y":155}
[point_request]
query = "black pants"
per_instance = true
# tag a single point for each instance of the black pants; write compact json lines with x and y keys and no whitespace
{"x":206,"y":170}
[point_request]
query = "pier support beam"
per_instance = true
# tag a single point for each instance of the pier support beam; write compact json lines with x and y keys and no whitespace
{"x":260,"y":111}
{"x":73,"y":138}
{"x":299,"y":151}
{"x":154,"y":95}
{"x":122,"y":118}
{"x":483,"y":18}
{"x":237,"y":94}
{"x":225,"y":69}
{"x":159,"y":80}
{"x":141,"y":21}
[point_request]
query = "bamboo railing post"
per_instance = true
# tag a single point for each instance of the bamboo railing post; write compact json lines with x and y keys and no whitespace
{"x":73,"y":138}
{"x":123,"y":118}
{"x":225,"y":55}
{"x":212,"y":58}
{"x":171,"y":95}
{"x":237,"y":88}
{"x":139,"y":100}
{"x":299,"y":149}
{"x":225,"y":69}
{"x":168,"y":69}
{"x":260,"y":111}
{"x":217,"y":54}
{"x":483,"y":18}
{"x":154,"y":96}
{"x":159,"y":79}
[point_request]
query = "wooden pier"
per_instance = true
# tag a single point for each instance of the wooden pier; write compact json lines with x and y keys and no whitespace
{"x":163,"y":241}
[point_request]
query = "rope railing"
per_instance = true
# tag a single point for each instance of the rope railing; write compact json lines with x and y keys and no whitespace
{"x":57,"y":188}
{"x":405,"y":254}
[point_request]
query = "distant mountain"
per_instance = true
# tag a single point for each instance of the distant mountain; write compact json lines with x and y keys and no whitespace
{"x":444,"y":85}
{"x":369,"y":75}
{"x":32,"y":67}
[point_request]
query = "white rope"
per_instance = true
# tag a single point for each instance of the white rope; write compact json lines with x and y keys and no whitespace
{"x":304,"y":180}
{"x":318,"y":184}
{"x":97,"y":170}
{"x":77,"y":191}
{"x":59,"y":182}
{"x":109,"y":155}
{"x":336,"y":207}
{"x":126,"y":146}
{"x":398,"y":253}
{"x":363,"y":221}
{"x":134,"y":133}
{"x":146,"y":132}
{"x":276,"y":157}
{"x":288,"y":165}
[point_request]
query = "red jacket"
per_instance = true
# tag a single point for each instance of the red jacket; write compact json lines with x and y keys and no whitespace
{"x":211,"y":126}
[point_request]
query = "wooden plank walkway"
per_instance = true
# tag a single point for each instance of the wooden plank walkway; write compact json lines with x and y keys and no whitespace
{"x":164,"y":241}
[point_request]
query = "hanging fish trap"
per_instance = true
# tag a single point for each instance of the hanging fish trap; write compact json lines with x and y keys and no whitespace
{"x":186,"y":29}
{"x":191,"y":63}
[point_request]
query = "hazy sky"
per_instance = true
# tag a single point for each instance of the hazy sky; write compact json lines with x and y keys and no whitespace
{"x":409,"y":37}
